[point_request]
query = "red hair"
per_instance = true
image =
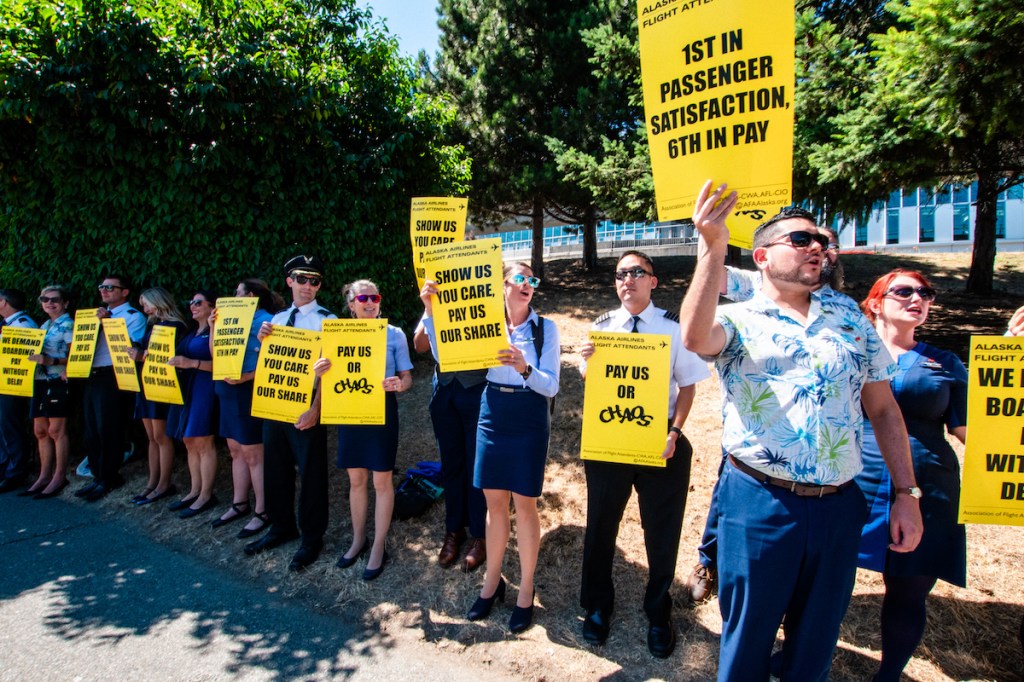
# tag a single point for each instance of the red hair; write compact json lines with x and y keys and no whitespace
{"x":881,"y":287}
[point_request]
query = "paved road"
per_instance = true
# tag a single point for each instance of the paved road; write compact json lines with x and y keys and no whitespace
{"x":84,"y":596}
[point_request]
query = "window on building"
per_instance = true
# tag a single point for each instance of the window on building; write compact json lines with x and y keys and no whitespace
{"x":943,"y":195}
{"x":894,"y":199}
{"x":926,"y":224}
{"x":961,"y":222}
{"x":1015,"y":192}
{"x":892,"y":226}
{"x":909,"y":197}
{"x":860,"y":233}
{"x":1001,"y":220}
{"x":961,"y":195}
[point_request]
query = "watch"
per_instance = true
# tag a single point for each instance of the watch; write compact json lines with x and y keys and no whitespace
{"x":526,"y":372}
{"x":678,"y":431}
{"x":914,"y":492}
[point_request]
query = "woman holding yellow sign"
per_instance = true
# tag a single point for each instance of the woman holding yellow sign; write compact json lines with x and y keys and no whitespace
{"x":512,"y":443}
{"x":363,"y":450}
{"x":50,"y":402}
{"x":160,"y":309}
{"x":931,"y":389}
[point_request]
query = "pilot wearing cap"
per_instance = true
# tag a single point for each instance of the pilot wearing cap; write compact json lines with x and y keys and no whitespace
{"x":301,"y":445}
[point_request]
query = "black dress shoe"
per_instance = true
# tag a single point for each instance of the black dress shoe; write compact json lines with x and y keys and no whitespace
{"x":97,"y":493}
{"x":142,"y":496}
{"x":189,"y":512}
{"x":241,"y":510}
{"x":596,"y":626}
{"x":481,"y":608}
{"x":270,"y":541}
{"x":306,"y":555}
{"x":53,"y":493}
{"x":86,"y":489}
{"x":347,"y":561}
{"x":661,"y":639}
{"x":374,"y":573}
{"x":521,"y":619}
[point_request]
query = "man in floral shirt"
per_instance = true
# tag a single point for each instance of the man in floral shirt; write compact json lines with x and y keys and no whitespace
{"x":795,"y":367}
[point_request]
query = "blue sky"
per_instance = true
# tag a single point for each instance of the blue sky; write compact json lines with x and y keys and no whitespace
{"x":413,"y":22}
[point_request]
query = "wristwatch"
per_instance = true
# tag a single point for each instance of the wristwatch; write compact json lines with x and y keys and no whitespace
{"x":678,"y":431}
{"x":914,"y":492}
{"x":526,"y":372}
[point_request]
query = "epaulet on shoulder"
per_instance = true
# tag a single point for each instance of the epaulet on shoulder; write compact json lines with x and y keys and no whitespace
{"x":133,"y":311}
{"x":671,"y":316}
{"x":282,"y":310}
{"x":324,"y":312}
{"x":602,"y":318}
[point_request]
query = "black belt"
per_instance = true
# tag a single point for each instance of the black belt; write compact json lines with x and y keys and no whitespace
{"x":505,"y":388}
{"x":96,"y":371}
{"x":799,"y":489}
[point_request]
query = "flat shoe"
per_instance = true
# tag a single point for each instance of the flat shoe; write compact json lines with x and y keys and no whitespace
{"x":181,"y":504}
{"x":171,"y":490}
{"x":249,"y":532}
{"x":32,"y":492}
{"x":52,"y":493}
{"x":241,"y":510}
{"x":374,"y":573}
{"x":347,"y":561}
{"x":143,"y":495}
{"x":206,"y":506}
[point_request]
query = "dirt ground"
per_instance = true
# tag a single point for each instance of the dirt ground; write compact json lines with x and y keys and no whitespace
{"x":971,"y":632}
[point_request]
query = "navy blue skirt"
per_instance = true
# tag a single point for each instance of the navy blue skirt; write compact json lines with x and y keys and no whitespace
{"x":371,"y":447}
{"x":512,"y":441}
{"x":236,"y":420}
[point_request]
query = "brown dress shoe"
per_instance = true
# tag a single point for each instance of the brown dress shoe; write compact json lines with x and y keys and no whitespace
{"x":450,"y":548}
{"x":476,"y":556}
{"x":701,"y":583}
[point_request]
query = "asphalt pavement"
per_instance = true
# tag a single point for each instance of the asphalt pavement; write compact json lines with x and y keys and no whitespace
{"x":85,"y":596}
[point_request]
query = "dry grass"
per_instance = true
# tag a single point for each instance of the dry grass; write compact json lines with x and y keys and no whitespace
{"x":971,"y":632}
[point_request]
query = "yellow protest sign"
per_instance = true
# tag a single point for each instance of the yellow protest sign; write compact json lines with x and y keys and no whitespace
{"x":718,"y":80}
{"x":115,"y":329}
{"x":160,"y":380}
{"x":231,"y":335}
{"x":992,"y":490}
{"x":283,"y":387}
{"x":432,"y":221}
{"x":469,"y":308}
{"x":83,"y":344}
{"x":17,"y":372}
{"x":352,"y":391}
{"x":625,"y":400}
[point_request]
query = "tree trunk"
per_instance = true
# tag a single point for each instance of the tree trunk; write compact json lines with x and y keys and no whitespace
{"x":590,"y":239}
{"x":537,"y":253}
{"x":983,"y":260}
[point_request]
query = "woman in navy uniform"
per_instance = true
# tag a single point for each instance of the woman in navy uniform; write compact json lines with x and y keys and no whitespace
{"x":160,"y":309}
{"x":366,"y":450}
{"x":931,"y":389}
{"x":512,"y":442}
{"x":243,"y":432}
{"x":50,"y":398}
{"x":195,"y":422}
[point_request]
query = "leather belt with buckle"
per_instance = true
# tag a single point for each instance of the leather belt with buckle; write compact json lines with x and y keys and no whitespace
{"x":799,"y":489}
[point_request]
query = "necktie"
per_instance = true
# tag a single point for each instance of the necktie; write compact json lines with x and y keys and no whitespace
{"x":636,"y":323}
{"x":291,"y":318}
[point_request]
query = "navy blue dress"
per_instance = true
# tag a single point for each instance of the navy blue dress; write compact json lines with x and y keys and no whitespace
{"x":236,"y":420}
{"x":931,"y":389}
{"x":198,"y":416}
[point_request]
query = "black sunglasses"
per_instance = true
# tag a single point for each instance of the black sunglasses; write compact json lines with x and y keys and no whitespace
{"x":312,"y":281}
{"x":905,"y":293}
{"x":801,"y":239}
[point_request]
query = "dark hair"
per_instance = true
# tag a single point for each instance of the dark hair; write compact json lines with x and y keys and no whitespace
{"x":268,"y":300}
{"x":16,"y":297}
{"x":639,"y":254}
{"x":766,"y":231}
{"x":122,"y":281}
{"x":881,"y":286}
{"x":207,"y":294}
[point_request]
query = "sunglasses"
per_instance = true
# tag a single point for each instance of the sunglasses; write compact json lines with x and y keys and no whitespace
{"x":49,"y":299}
{"x":312,"y":281}
{"x":905,"y":293}
{"x":519,"y":278}
{"x":635,"y":273}
{"x":108,"y":287}
{"x":196,"y":301}
{"x":801,"y":239}
{"x":363,"y":298}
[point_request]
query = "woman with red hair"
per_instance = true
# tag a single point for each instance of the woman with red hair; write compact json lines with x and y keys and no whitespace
{"x":931,"y":389}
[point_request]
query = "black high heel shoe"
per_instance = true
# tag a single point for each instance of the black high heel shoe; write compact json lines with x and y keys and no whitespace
{"x":482,"y":607}
{"x":521,"y":618}
{"x":347,"y":561}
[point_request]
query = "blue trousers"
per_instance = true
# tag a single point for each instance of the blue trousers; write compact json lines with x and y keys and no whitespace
{"x":454,"y":412}
{"x":782,"y":556}
{"x":708,"y":549}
